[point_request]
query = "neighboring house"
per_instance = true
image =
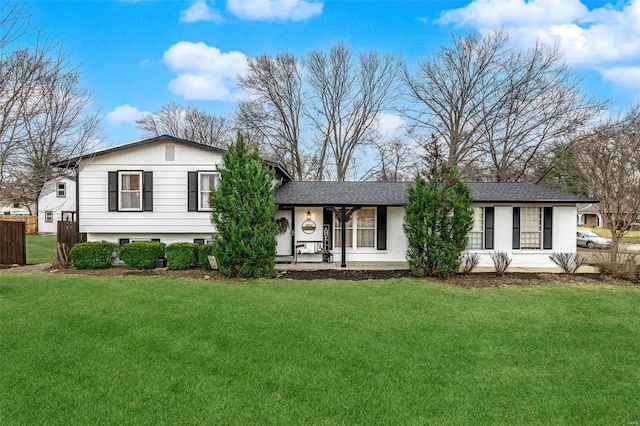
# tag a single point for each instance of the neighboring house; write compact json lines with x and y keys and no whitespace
{"x":11,"y":206}
{"x":589,"y":216}
{"x":57,"y":201}
{"x":159,"y":189}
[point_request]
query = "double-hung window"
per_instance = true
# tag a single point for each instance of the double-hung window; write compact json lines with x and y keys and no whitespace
{"x":129,"y":188}
{"x":530,"y":228}
{"x":366,"y":228}
{"x":476,"y":233}
{"x":61,"y":190}
{"x":337,"y":227}
{"x":361,"y":224}
{"x":48,"y":216}
{"x":207,"y":182}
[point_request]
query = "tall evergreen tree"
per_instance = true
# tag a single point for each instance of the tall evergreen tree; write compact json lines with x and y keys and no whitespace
{"x":243,"y":208}
{"x":437,"y":221}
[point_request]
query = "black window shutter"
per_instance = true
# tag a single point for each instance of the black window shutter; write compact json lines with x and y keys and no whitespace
{"x":192,"y":182}
{"x":382,"y":228}
{"x":123,"y":241}
{"x":113,"y":191}
{"x":489,"y":215}
{"x":327,"y":219}
{"x":147,"y":191}
{"x":516,"y":228}
{"x":547,"y":237}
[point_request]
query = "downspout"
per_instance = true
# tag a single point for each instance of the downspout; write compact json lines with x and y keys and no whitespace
{"x":77,"y":197}
{"x":343,"y":232}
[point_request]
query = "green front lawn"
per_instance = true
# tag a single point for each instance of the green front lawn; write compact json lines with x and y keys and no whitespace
{"x":39,"y":248}
{"x":162,"y":350}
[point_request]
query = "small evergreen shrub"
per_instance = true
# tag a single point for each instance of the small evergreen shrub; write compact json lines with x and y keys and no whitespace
{"x":141,"y":254}
{"x":203,"y":251}
{"x":181,"y":256}
{"x":94,"y":255}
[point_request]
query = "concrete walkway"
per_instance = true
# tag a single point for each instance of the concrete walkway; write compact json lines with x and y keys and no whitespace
{"x":25,"y":269}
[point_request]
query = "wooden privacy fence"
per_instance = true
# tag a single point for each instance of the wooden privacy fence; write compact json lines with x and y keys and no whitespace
{"x":31,"y":222}
{"x":13,"y":243}
{"x":68,"y":234}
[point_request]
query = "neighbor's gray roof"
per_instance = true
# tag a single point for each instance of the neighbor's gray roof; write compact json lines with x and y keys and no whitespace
{"x":394,"y":193}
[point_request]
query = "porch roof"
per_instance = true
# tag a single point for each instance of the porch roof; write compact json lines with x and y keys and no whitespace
{"x":315,"y":193}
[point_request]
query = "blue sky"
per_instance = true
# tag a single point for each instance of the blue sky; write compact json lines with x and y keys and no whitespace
{"x":139,"y":55}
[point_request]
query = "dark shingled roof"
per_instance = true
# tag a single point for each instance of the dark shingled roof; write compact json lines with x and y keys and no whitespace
{"x":394,"y":193}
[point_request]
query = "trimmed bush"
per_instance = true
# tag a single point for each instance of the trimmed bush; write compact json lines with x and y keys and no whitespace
{"x":181,"y":256}
{"x":203,"y":251}
{"x":94,"y":255}
{"x":141,"y":254}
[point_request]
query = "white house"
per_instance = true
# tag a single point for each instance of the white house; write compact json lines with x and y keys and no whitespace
{"x":57,"y":201}
{"x":155,"y":189}
{"x":526,"y":221}
{"x":12,"y":207}
{"x":159,"y":189}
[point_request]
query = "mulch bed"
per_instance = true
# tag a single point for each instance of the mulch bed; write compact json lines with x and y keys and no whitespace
{"x":477,"y":280}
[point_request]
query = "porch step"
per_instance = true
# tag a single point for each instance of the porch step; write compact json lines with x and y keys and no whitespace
{"x":284,"y":259}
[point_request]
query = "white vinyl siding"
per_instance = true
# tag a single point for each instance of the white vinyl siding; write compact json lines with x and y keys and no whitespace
{"x":170,"y":195}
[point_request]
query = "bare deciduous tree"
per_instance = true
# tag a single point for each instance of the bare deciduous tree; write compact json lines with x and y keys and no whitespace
{"x":346,"y":98}
{"x":274,"y":108}
{"x":608,"y":159}
{"x":188,"y":123}
{"x":393,"y":161}
{"x":497,"y":108}
{"x":44,"y":110}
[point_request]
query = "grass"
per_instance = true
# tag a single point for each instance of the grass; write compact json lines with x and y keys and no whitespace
{"x":163,"y":350}
{"x":39,"y":248}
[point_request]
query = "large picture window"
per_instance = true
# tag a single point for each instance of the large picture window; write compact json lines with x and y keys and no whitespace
{"x":361,"y":224}
{"x":130,"y":191}
{"x":207,"y":181}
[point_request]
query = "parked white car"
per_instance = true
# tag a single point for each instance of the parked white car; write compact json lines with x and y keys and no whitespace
{"x":592,"y":240}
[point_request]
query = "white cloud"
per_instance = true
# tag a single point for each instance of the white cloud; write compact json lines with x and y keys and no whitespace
{"x":390,"y":126}
{"x":124,"y":114}
{"x":626,"y":77}
{"x":200,"y":11}
{"x":264,"y":10}
{"x":204,"y":72}
{"x":606,"y":39}
{"x":146,"y":63}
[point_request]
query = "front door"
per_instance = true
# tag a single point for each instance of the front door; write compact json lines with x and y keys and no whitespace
{"x":283,"y":239}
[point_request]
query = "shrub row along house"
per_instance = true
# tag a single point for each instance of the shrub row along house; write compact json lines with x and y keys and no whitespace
{"x":158,"y":189}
